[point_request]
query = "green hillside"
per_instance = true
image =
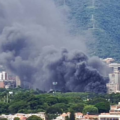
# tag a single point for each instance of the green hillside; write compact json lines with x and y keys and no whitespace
{"x":106,"y":15}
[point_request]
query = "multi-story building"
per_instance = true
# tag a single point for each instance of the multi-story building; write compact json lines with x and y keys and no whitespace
{"x":3,"y":75}
{"x":18,"y":81}
{"x":114,"y":113}
{"x":2,"y":85}
{"x":114,"y":78}
{"x":8,"y":80}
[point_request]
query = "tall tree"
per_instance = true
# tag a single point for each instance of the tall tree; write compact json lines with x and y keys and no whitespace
{"x":34,"y":117}
{"x":16,"y":118}
{"x":67,"y":118}
{"x":103,"y":107}
{"x":72,"y":115}
{"x":90,"y":109}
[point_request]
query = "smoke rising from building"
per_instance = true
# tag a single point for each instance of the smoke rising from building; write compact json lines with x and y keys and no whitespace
{"x":35,"y":45}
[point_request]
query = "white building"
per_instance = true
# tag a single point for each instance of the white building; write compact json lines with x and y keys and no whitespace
{"x":108,"y":60}
{"x":78,"y":115}
{"x":23,"y":116}
{"x":3,"y":75}
{"x":114,"y":113}
{"x":114,"y":77}
{"x":109,"y":117}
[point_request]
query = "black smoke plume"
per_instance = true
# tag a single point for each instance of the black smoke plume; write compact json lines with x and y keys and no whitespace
{"x":35,"y":45}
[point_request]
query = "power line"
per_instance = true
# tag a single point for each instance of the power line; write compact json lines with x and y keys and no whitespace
{"x":93,"y":21}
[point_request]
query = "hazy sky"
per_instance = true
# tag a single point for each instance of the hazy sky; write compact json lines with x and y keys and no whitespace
{"x":36,"y":45}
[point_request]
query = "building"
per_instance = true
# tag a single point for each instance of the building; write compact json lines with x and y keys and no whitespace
{"x":3,"y":75}
{"x":78,"y":116}
{"x":114,"y":113}
{"x":18,"y":81}
{"x":2,"y":85}
{"x":8,"y":80}
{"x":112,"y":88}
{"x":108,"y":60}
{"x":114,"y":77}
{"x":90,"y":117}
{"x":23,"y":116}
{"x":63,"y":116}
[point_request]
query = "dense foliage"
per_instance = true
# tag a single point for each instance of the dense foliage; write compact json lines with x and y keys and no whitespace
{"x":72,"y":115}
{"x":34,"y":117}
{"x":16,"y":118}
{"x":30,"y":101}
{"x":106,"y":24}
{"x":3,"y":118}
{"x":90,"y":109}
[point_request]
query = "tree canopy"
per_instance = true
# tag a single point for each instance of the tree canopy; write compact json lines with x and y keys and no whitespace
{"x":27,"y":101}
{"x":16,"y":118}
{"x":90,"y":109}
{"x":34,"y":117}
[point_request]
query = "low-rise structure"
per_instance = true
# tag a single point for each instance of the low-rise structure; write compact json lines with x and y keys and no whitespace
{"x":23,"y":116}
{"x":63,"y":116}
{"x":108,"y":60}
{"x":114,"y":78}
{"x":78,"y":116}
{"x":90,"y":117}
{"x":114,"y":113}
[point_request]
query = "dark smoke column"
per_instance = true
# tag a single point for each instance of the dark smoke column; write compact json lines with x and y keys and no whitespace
{"x":32,"y":38}
{"x":75,"y":74}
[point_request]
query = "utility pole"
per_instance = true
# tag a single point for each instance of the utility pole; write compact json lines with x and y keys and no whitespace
{"x":7,"y":98}
{"x":93,"y":21}
{"x":4,"y":99}
{"x":54,"y":88}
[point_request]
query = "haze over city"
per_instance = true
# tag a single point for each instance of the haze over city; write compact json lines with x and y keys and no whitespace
{"x":37,"y":44}
{"x":59,"y":60}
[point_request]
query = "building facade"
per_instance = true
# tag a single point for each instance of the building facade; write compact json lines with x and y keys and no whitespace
{"x":114,"y":113}
{"x":8,"y":80}
{"x":114,"y":78}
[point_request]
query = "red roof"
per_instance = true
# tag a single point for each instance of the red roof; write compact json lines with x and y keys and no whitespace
{"x":2,"y":85}
{"x":79,"y":113}
{"x":90,"y":116}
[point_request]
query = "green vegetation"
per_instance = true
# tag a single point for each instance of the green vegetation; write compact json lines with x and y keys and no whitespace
{"x":72,"y":115}
{"x":103,"y":107}
{"x":16,"y":118}
{"x":77,"y":107}
{"x":67,"y":118}
{"x":3,"y":118}
{"x":107,"y":25}
{"x":34,"y":117}
{"x":30,"y":101}
{"x":90,"y":109}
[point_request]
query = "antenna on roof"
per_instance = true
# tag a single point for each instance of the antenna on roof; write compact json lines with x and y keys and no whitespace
{"x":93,"y":22}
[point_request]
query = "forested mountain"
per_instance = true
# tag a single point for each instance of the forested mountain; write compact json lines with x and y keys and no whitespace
{"x":102,"y":17}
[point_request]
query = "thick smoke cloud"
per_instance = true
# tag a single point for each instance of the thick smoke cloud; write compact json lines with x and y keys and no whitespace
{"x":35,"y":44}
